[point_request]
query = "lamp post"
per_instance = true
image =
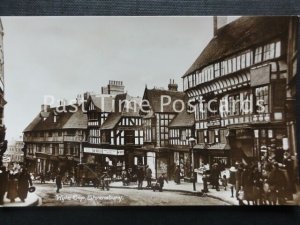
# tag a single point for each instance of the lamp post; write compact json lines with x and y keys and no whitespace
{"x":193,"y":176}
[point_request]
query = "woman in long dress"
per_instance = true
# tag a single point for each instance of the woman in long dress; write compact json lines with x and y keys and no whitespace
{"x":23,"y":184}
{"x":12,"y":190}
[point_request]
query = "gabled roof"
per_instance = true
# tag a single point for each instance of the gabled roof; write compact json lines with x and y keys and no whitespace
{"x":127,"y":103}
{"x":111,"y":121}
{"x":155,"y":98}
{"x":33,"y":123}
{"x":239,"y":35}
{"x":78,"y":120}
{"x":183,"y":119}
{"x":103,"y":102}
{"x":64,"y":120}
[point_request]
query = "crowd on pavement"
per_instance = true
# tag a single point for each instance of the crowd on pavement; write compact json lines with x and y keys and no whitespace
{"x":270,"y":181}
{"x":14,"y":182}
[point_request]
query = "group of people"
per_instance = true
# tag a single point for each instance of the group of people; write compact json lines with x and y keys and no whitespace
{"x":262,"y":183}
{"x":143,"y":173}
{"x":15,"y":182}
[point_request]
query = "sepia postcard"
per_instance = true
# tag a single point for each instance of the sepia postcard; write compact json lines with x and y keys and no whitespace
{"x":148,"y":111}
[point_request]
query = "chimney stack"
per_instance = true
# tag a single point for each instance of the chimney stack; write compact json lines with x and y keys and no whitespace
{"x":219,"y":21}
{"x":45,"y":108}
{"x":172,"y":85}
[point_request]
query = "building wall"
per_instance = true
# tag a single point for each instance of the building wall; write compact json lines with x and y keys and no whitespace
{"x":257,"y":73}
{"x":50,"y":151}
{"x":2,"y":100}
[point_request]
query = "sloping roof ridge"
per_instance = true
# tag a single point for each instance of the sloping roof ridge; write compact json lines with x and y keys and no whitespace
{"x":245,"y":27}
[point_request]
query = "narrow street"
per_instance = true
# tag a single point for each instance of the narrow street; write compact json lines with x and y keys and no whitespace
{"x":90,"y":196}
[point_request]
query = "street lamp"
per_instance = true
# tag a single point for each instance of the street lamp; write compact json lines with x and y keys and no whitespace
{"x":193,"y":177}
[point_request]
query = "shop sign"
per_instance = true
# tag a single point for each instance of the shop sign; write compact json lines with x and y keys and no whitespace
{"x":104,"y":151}
{"x":93,"y":150}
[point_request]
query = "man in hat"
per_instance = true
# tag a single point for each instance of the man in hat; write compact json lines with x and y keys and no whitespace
{"x":58,"y":181}
{"x":215,"y":175}
{"x":148,"y":176}
{"x":23,"y":184}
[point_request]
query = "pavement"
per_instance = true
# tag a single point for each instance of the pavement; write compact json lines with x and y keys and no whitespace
{"x":186,"y":187}
{"x":31,"y":200}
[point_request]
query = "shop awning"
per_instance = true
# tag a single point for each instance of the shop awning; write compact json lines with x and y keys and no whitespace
{"x":153,"y":149}
{"x":219,"y":146}
{"x":42,"y":155}
{"x":200,"y":146}
{"x":30,"y":157}
{"x":178,"y":149}
{"x":54,"y":158}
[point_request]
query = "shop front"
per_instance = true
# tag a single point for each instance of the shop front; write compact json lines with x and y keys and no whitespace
{"x":101,"y":159}
{"x":31,"y":163}
{"x":182,"y":159}
{"x":159,"y":160}
{"x":254,"y":144}
{"x":43,"y":163}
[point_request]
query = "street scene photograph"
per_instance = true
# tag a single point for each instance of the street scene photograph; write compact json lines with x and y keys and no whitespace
{"x":148,"y":111}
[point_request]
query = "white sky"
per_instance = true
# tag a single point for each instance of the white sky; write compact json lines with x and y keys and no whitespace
{"x":65,"y":56}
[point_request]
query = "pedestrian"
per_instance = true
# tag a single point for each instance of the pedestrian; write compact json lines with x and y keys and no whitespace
{"x":42,"y":177}
{"x":205,"y":179}
{"x":278,"y":184}
{"x":177,"y":175}
{"x":148,"y":176}
{"x":23,"y":184}
{"x":215,"y":175}
{"x":232,"y":179}
{"x":58,"y":180}
{"x":105,"y":179}
{"x":258,"y":186}
{"x":248,"y":184}
{"x":224,"y":182}
{"x":12,"y":191}
{"x":161,"y":180}
{"x":125,"y":178}
{"x":239,"y":183}
{"x":140,"y":178}
{"x":3,"y":183}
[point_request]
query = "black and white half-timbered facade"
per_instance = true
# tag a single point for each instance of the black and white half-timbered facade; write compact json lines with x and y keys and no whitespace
{"x":163,"y":107}
{"x":114,"y":131}
{"x":181,"y":129}
{"x":123,"y":132}
{"x":238,"y":84}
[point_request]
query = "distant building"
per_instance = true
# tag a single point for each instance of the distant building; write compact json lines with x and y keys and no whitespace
{"x":14,"y":153}
{"x":53,"y":140}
